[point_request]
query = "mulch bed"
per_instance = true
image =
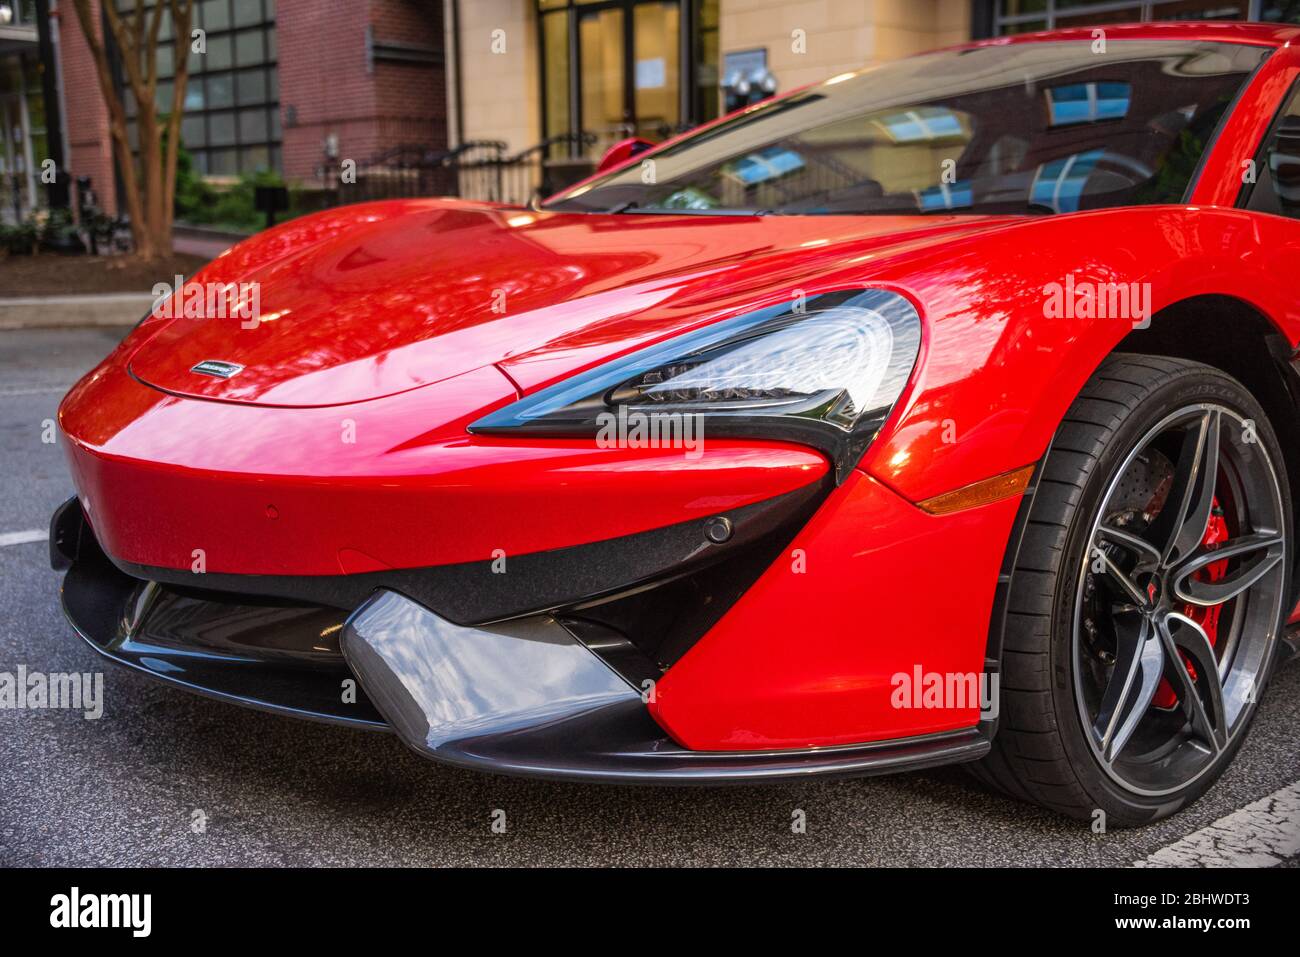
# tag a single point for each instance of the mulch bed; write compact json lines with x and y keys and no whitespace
{"x":50,"y":274}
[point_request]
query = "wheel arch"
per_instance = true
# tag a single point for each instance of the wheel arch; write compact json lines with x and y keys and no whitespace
{"x":1257,"y":353}
{"x":1254,"y":351}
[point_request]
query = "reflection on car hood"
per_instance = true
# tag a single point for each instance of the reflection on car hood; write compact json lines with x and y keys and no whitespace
{"x":367,"y":301}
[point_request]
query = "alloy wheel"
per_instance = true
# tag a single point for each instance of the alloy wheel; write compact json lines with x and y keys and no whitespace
{"x":1179,"y":598}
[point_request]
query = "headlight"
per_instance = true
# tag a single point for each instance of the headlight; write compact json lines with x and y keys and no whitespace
{"x":822,"y":372}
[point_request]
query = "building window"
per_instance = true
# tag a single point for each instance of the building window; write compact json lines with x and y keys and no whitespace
{"x":1059,"y":184}
{"x":922,"y":125}
{"x":944,"y":196}
{"x":232,"y":99}
{"x":18,"y":14}
{"x":1087,"y":102}
{"x":1279,"y":11}
{"x":1026,"y":16}
{"x":24,"y":143}
{"x":611,"y":69}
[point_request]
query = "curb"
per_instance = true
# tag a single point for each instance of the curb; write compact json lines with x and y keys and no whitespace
{"x":70,"y":312}
{"x":202,"y":241}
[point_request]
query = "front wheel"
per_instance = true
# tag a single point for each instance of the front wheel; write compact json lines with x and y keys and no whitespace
{"x":1149,"y":591}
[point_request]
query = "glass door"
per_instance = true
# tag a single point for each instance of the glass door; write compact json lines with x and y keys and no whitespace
{"x":611,"y":68}
{"x":656,"y":73}
{"x":603,"y":76}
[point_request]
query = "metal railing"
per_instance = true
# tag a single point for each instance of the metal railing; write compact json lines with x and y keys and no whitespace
{"x":478,"y":170}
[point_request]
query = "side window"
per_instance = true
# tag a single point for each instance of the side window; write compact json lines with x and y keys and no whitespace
{"x":1277,"y":189}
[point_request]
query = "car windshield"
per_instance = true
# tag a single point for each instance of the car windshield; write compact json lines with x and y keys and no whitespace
{"x":1042,"y":127}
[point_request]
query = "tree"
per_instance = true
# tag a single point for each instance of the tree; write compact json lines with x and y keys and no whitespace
{"x":149,"y":175}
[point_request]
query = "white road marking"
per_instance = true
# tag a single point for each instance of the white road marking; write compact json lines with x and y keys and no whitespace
{"x":1259,"y":835}
{"x":34,"y":390}
{"x":23,"y":538}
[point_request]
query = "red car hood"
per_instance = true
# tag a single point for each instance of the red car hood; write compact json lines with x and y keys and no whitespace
{"x":367,"y":301}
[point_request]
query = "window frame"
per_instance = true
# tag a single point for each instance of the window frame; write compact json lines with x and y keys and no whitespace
{"x":1057,"y":9}
{"x":1246,"y":193}
{"x":269,"y":104}
{"x":688,"y":88}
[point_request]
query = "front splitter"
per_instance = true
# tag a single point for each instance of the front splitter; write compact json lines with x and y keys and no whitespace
{"x":112,"y":613}
{"x":526,"y":697}
{"x":523,"y":697}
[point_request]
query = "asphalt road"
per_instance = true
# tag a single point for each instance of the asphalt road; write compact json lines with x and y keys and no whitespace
{"x":125,"y":789}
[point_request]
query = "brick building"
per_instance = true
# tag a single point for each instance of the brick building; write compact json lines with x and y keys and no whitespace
{"x":356,"y":85}
{"x":288,"y":85}
{"x":299,"y":85}
{"x":615,"y":68}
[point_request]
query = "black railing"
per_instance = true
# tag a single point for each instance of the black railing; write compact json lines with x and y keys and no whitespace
{"x":478,"y":170}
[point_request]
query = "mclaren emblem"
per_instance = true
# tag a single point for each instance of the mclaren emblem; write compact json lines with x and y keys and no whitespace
{"x":215,"y":367}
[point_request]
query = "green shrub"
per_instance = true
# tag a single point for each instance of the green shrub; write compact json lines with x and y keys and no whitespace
{"x":21,"y":238}
{"x":58,"y":232}
{"x":199,"y":203}
{"x":236,"y":205}
{"x":194,"y":197}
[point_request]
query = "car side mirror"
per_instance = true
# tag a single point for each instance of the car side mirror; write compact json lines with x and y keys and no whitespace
{"x":622,"y":151}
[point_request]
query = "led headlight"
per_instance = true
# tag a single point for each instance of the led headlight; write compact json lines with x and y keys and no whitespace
{"x":822,"y":372}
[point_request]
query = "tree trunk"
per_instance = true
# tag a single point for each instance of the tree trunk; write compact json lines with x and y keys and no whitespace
{"x":149,"y":178}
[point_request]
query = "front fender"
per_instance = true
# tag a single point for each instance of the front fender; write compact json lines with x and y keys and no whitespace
{"x":1004,"y":361}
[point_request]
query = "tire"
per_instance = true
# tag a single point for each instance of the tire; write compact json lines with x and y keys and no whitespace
{"x":1074,"y":593}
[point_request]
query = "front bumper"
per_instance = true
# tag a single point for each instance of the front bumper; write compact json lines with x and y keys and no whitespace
{"x":525,"y":697}
{"x":282,"y":657}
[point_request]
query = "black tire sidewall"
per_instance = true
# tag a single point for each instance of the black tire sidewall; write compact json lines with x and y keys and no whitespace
{"x":1196,"y":385}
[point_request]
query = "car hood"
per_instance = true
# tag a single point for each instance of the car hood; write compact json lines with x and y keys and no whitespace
{"x":367,"y":301}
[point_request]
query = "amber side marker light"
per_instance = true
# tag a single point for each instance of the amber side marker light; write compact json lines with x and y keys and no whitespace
{"x":980,"y":493}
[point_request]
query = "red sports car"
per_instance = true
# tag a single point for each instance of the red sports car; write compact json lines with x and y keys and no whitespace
{"x":941,"y":412}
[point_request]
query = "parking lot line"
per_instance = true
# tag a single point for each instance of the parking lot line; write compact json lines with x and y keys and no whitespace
{"x":1262,"y":834}
{"x":32,"y":390}
{"x":22,"y":538}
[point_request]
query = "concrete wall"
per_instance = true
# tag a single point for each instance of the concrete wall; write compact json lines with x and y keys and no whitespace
{"x":501,"y":90}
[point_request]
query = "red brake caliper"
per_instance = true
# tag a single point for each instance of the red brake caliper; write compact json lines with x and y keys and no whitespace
{"x":1208,"y":618}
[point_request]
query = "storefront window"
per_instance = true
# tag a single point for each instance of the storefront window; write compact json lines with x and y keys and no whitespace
{"x":18,"y":14}
{"x":657,"y":72}
{"x":1280,"y":11}
{"x":37,"y":133}
{"x":555,"y":71}
{"x":605,"y":109}
{"x":618,"y":68}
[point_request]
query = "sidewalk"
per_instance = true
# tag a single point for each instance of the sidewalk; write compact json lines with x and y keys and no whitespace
{"x":51,"y":291}
{"x":55,"y":312}
{"x":201,"y":241}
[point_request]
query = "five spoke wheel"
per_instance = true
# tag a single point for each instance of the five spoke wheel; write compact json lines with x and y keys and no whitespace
{"x":1178,"y":597}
